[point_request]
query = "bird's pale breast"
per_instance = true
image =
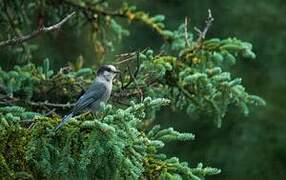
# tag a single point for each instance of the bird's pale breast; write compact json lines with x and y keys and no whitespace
{"x":96,"y":105}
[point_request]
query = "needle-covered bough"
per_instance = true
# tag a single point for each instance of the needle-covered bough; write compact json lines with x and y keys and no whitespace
{"x":188,"y":74}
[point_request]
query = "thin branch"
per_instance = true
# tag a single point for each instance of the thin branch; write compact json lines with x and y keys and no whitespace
{"x":125,"y":60}
{"x":121,"y":81}
{"x":202,"y":34}
{"x":13,"y":100}
{"x":50,"y":112}
{"x":137,"y":87}
{"x":124,"y":57}
{"x":186,"y":32}
{"x":125,"y":94}
{"x":46,"y":103}
{"x":35,"y":33}
{"x":138,"y":64}
{"x":130,"y":80}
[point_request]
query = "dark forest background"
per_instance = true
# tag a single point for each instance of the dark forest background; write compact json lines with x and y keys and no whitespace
{"x":252,"y":147}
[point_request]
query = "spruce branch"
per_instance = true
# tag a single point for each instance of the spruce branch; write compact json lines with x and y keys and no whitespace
{"x":21,"y":39}
{"x":116,"y":144}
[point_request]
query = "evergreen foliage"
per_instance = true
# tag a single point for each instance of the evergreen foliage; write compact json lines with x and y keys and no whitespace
{"x":119,"y":142}
{"x":110,"y":146}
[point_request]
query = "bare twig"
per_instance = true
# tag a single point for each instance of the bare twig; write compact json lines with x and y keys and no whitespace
{"x":138,"y":63}
{"x":186,"y":33}
{"x":125,"y":90}
{"x":122,"y":103}
{"x":7,"y":100}
{"x":137,"y":87}
{"x":32,"y":124}
{"x":202,"y":34}
{"x":121,"y":81}
{"x":125,"y":94}
{"x":35,"y":33}
{"x":124,"y":57}
{"x":46,"y":103}
{"x":125,"y":60}
{"x":50,"y":112}
{"x":130,"y":56}
{"x":130,"y":80}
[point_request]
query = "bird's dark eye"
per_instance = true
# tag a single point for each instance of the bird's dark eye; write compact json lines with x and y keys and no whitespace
{"x":108,"y":70}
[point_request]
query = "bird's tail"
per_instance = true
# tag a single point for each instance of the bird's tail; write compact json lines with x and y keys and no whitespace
{"x":64,"y":120}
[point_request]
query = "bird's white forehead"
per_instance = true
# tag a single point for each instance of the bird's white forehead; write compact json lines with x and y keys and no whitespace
{"x":113,"y":68}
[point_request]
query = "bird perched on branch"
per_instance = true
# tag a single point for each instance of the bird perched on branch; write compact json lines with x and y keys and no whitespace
{"x":99,"y":92}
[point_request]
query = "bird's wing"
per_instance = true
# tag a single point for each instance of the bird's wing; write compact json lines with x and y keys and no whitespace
{"x":93,"y":94}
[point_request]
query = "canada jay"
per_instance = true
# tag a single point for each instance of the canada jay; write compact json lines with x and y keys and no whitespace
{"x":99,"y":92}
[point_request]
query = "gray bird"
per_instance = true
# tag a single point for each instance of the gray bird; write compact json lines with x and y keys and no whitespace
{"x":99,"y":92}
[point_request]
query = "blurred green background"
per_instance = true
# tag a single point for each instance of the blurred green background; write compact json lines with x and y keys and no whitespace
{"x":252,"y":147}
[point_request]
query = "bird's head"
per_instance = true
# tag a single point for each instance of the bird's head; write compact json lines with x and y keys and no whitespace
{"x":108,"y":72}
